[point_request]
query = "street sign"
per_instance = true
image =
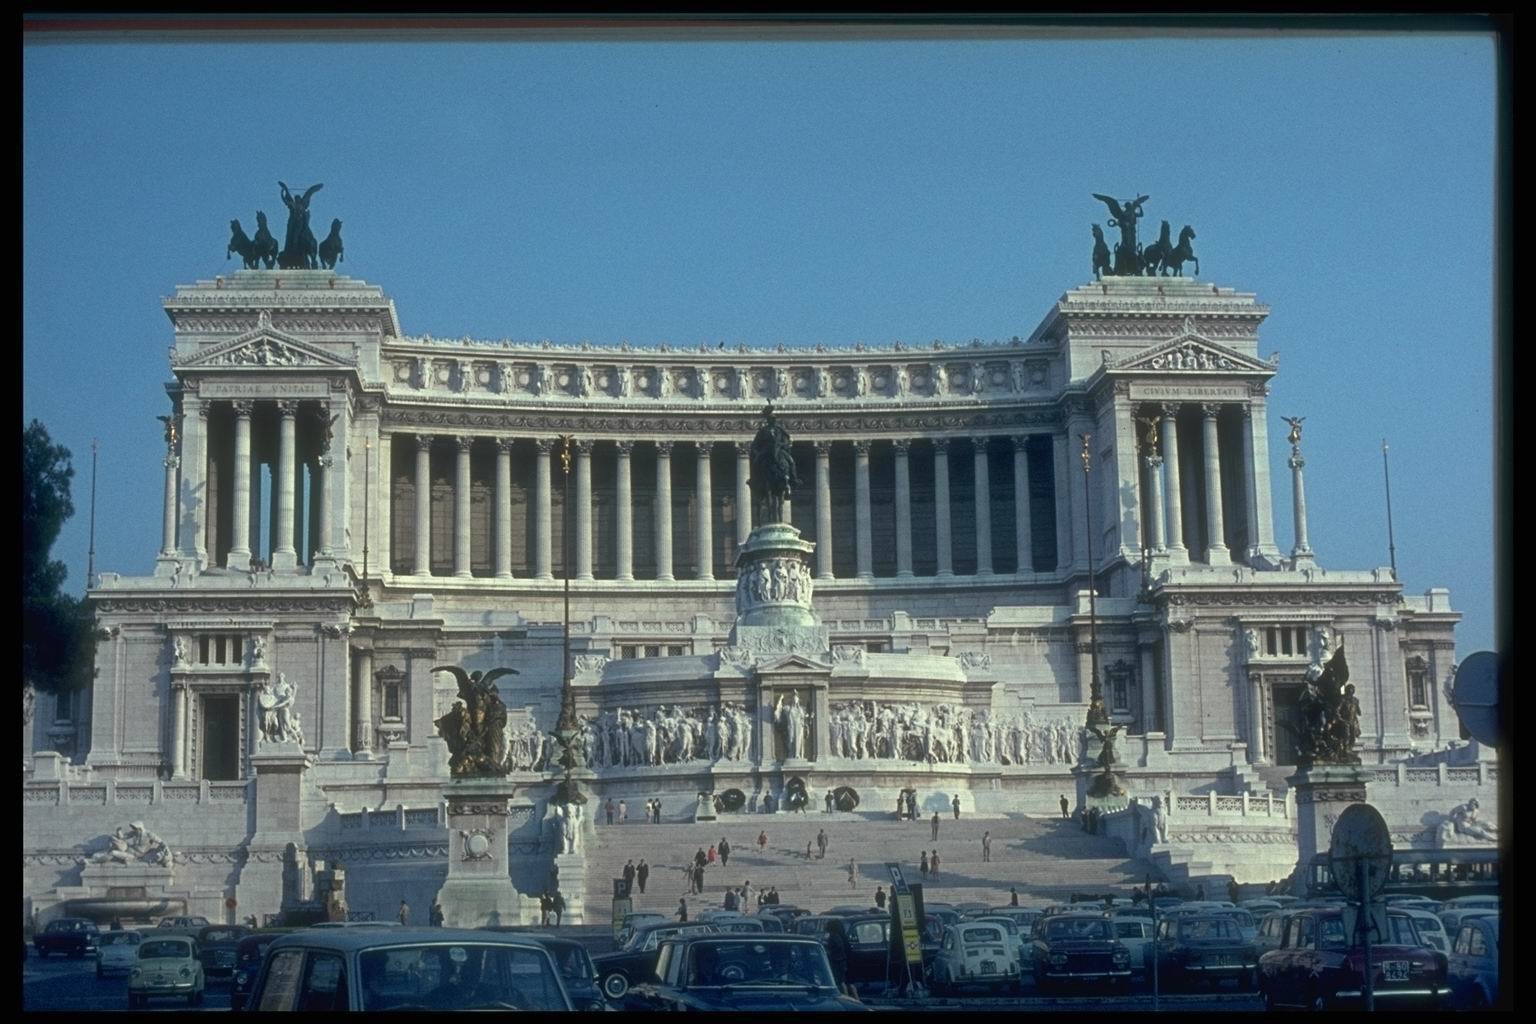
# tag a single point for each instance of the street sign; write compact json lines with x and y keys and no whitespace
{"x":1360,"y":838}
{"x":1475,"y":696}
{"x":911,"y":936}
{"x":230,"y":904}
{"x":898,"y":880}
{"x":621,"y":911}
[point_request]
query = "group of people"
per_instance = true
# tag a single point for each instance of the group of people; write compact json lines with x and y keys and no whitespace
{"x":551,"y":904}
{"x":434,"y":916}
{"x":636,"y":874}
{"x":621,"y":811}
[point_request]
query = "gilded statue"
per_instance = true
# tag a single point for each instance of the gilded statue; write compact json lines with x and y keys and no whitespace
{"x":475,"y":729}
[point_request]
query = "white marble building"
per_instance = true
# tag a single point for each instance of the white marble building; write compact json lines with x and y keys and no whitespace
{"x":348,"y":506}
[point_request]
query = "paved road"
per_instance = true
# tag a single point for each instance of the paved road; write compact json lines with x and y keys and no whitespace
{"x":61,"y":984}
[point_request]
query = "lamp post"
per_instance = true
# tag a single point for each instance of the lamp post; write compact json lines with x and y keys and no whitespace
{"x":367,"y":599}
{"x":566,"y":727}
{"x":1096,"y":713}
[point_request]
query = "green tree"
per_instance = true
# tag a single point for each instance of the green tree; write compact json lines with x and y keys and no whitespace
{"x":57,"y":639}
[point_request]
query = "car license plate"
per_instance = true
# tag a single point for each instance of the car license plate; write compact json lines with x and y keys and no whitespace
{"x":989,"y":967}
{"x":1395,"y":970}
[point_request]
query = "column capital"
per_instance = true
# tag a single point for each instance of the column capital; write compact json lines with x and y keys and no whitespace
{"x":288,"y":407}
{"x":243,"y":407}
{"x":504,"y":445}
{"x":1020,"y":442}
{"x":823,"y":449}
{"x":704,"y":449}
{"x":625,"y":448}
{"x":545,"y":445}
{"x":743,"y":449}
{"x":861,"y":446}
{"x":1210,"y":410}
{"x":664,"y":449}
{"x":1170,"y":410}
{"x":1152,"y":461}
{"x":903,"y":445}
{"x":583,"y":446}
{"x":464,"y":442}
{"x":1296,"y":461}
{"x":423,"y":442}
{"x":978,"y":444}
{"x":941,"y":446}
{"x":325,"y":461}
{"x":172,"y":461}
{"x":1247,"y":408}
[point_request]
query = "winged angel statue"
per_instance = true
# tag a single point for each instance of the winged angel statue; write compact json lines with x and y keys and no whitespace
{"x":476,"y":729}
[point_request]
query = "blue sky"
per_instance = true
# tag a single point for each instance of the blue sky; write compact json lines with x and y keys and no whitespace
{"x":799,"y":193}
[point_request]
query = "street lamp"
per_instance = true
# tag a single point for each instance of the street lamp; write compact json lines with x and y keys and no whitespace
{"x":1096,"y":713}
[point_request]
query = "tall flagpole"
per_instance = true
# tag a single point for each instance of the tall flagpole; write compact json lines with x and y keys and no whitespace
{"x":1387,"y":474}
{"x":90,"y":558}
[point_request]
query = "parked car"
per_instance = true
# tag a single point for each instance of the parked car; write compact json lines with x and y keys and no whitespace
{"x":118,"y":952}
{"x":73,"y":937}
{"x":972,"y":909}
{"x":977,"y":953}
{"x":741,"y":926}
{"x":189,"y":924}
{"x":1198,"y":949}
{"x":248,"y":957}
{"x":1452,"y":918}
{"x":1473,"y":968}
{"x":218,"y":947}
{"x":1078,"y":947}
{"x":354,"y":924}
{"x":869,"y":937}
{"x":1430,"y":928}
{"x":1318,"y":966}
{"x":1135,"y":934}
{"x":445,"y":969}
{"x":780,"y":973}
{"x":1271,"y":928}
{"x":844,"y":909}
{"x":1409,"y":901}
{"x":1258,"y":906}
{"x":1018,"y":942}
{"x":636,"y":921}
{"x":574,"y":964}
{"x":635,"y":961}
{"x":167,"y":966}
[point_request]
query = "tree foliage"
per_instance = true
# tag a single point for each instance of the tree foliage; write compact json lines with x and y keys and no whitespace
{"x":57,"y":645}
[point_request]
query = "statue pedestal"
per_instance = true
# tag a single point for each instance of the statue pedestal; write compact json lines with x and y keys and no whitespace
{"x":479,"y":891}
{"x":1322,"y":793}
{"x":573,"y":886}
{"x":265,"y":884}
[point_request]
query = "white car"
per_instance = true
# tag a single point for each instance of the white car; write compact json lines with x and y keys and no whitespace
{"x":976,"y":954}
{"x":167,"y":965}
{"x":1018,"y":939}
{"x":1473,"y":971}
{"x":1430,"y":928}
{"x":1135,"y":934}
{"x":119,"y":952}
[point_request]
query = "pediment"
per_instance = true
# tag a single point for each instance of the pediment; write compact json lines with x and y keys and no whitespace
{"x":791,"y":663}
{"x":1190,"y":352}
{"x":265,"y":347}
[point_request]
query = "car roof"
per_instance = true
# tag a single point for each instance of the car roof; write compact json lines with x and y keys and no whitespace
{"x":543,"y":938}
{"x":1093,"y":915}
{"x":351,"y":939}
{"x":688,"y":940}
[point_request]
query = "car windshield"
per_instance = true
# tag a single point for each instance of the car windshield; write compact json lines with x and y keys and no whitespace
{"x":715,"y":964}
{"x":220,"y":935}
{"x":982,"y":934}
{"x":1128,"y":929}
{"x":67,"y":926}
{"x":161,"y":949}
{"x":572,"y":962}
{"x":1077,"y":928}
{"x":121,"y":939}
{"x":459,"y":976}
{"x":1207,"y":928}
{"x":870,"y":933}
{"x":1332,"y":936}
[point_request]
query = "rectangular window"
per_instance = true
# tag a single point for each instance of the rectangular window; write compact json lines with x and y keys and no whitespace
{"x":876,"y":647}
{"x":1285,"y":642}
{"x":675,"y":651}
{"x":1271,"y":642}
{"x":629,"y":651}
{"x":219,"y":650}
{"x":652,"y":651}
{"x":1301,"y":640}
{"x":392,"y":700}
{"x":63,"y":706}
{"x":202,"y":650}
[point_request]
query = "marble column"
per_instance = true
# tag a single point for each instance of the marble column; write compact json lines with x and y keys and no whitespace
{"x":423,"y":561}
{"x":503,"y":513}
{"x":664,"y":510}
{"x":461,"y":508}
{"x":168,"y":516}
{"x":824,"y":569}
{"x":1021,"y":524}
{"x":179,"y":731}
{"x":1302,"y":552}
{"x":1259,"y":452}
{"x":326,"y":482}
{"x":1250,"y":489}
{"x":1175,"y":502}
{"x":743,"y":492}
{"x":194,"y":476}
{"x":1216,"y":548}
{"x":1061,"y":470}
{"x":583,"y":510}
{"x":624,"y":544}
{"x":263,"y":552}
{"x":983,"y":508}
{"x":544,"y":564}
{"x":863,"y":545}
{"x":703,"y":521}
{"x":362,"y":703}
{"x":1256,"y":752}
{"x":903,"y":509}
{"x":941,"y":507}
{"x":1148,"y":690}
{"x":1154,"y":464}
{"x":240,"y":550}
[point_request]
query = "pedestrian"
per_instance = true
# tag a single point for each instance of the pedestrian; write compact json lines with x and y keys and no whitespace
{"x":762,"y":841}
{"x":746,"y":897}
{"x":923,"y":867}
{"x":807,"y":849}
{"x":901,"y":805}
{"x":658,"y":810}
{"x":404,"y":914}
{"x":698,"y":879}
{"x":879,"y":897}
{"x":609,"y":808}
{"x":1199,"y":892}
{"x":837,"y":954}
{"x":933,"y":865}
{"x":821,"y":843}
{"x":956,"y":804}
{"x":682,"y":910}
{"x":435,"y":915}
{"x":546,"y":906}
{"x":1013,"y":896}
{"x":986,"y":847}
{"x":642,"y":873}
{"x":558,"y":903}
{"x":700,"y":858}
{"x":117,"y":924}
{"x":829,"y":802}
{"x":1064,"y":813}
{"x":935,"y":825}
{"x":623,"y":812}
{"x":853,"y":874}
{"x":712,"y":855}
{"x":773,"y":896}
{"x":725,"y":851}
{"x":629,"y":876}
{"x":731,"y":902}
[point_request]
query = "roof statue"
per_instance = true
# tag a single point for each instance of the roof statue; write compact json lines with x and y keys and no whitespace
{"x":299,"y":247}
{"x":475,"y":729}
{"x":300,"y":251}
{"x":773,"y":470}
{"x":1130,"y":258}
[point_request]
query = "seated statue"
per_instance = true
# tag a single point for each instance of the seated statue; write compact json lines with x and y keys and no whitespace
{"x":1463,"y":821}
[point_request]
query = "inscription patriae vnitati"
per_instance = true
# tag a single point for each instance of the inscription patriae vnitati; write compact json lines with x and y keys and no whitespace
{"x":230,"y":389}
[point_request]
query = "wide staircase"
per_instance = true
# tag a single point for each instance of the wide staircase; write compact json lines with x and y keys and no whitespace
{"x":1046,"y":860}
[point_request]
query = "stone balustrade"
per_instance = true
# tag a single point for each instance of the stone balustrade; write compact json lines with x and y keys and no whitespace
{"x":111,"y":793}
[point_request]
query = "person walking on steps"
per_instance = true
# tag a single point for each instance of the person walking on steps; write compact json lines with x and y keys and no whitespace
{"x":725,"y":852}
{"x":923,"y":866}
{"x":558,"y":905}
{"x":1065,"y":807}
{"x":935,"y":825}
{"x":933,"y":865}
{"x":956,"y":804}
{"x":1013,"y":896}
{"x":712,"y":855}
{"x":853,"y":874}
{"x":608,"y":808}
{"x":682,"y":910}
{"x":879,"y":897}
{"x":404,"y":914}
{"x":986,"y":847}
{"x":762,"y":841}
{"x":807,"y":849}
{"x":623,"y":812}
{"x":629,"y":876}
{"x":821,"y":843}
{"x":545,"y":907}
{"x":642,"y":873}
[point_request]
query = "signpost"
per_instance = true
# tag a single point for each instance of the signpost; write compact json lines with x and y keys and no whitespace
{"x":906,"y":928}
{"x":1476,"y":696}
{"x":622,"y":906}
{"x":1360,"y":859}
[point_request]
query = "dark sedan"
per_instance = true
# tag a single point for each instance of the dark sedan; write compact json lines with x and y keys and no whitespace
{"x":1199,"y":949}
{"x":635,"y":961}
{"x":248,"y":954}
{"x":1078,"y":947}
{"x":766,"y":973}
{"x":70,"y":936}
{"x":218,"y":947}
{"x":1318,"y":967}
{"x":574,"y":964}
